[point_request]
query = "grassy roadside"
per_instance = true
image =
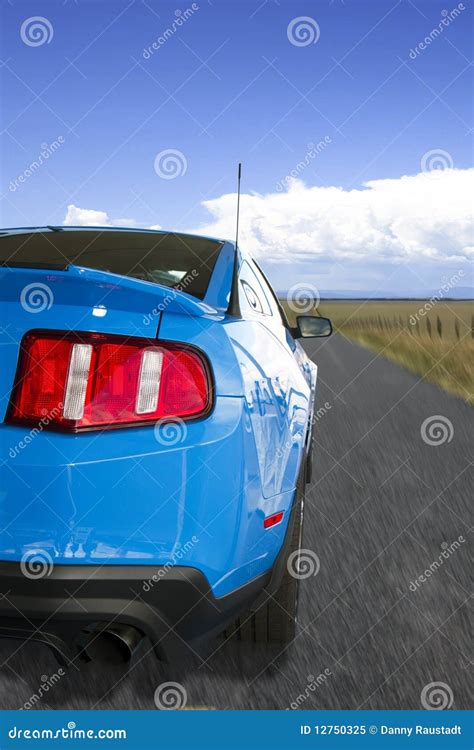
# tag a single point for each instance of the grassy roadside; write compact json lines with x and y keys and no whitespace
{"x":439,"y":347}
{"x":446,"y":363}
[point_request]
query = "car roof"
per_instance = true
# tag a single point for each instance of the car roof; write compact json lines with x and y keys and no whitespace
{"x":60,"y":228}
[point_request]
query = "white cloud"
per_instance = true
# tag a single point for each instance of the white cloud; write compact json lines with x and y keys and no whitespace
{"x":89,"y":217}
{"x":402,"y":233}
{"x":424,"y":217}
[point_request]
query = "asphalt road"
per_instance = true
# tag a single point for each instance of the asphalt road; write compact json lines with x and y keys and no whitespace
{"x":382,"y":507}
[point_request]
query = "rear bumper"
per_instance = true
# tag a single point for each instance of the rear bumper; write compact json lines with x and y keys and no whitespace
{"x":171,"y":606}
{"x":129,"y":498}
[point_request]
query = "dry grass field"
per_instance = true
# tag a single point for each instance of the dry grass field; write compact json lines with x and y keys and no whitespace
{"x":432,"y":339}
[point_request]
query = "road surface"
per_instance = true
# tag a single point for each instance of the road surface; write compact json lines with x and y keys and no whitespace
{"x":382,"y":507}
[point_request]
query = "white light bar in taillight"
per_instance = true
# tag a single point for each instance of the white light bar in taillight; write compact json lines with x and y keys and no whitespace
{"x":77,"y":379}
{"x":149,"y":382}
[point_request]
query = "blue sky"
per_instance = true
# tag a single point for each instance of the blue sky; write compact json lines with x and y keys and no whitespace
{"x":229,"y":83}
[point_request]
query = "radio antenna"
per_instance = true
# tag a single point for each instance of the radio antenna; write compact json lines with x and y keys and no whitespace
{"x":239,"y":174}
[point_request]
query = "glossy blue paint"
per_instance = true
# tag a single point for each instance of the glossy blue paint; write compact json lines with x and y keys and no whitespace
{"x":81,"y":299}
{"x":218,"y":292}
{"x":191,"y":494}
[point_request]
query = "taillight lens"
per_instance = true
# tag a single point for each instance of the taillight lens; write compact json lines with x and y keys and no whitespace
{"x":91,"y":381}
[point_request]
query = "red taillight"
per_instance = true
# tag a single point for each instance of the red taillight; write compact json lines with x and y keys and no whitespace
{"x":88,"y":381}
{"x":270,"y":521}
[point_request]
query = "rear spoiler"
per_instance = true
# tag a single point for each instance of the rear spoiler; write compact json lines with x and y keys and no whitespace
{"x":167,"y":298}
{"x":87,"y":286}
{"x":27,"y":264}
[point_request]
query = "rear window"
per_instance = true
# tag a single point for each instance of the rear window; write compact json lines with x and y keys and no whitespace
{"x":174,"y":260}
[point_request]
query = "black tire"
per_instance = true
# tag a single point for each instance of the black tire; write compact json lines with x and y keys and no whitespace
{"x":309,"y":459}
{"x":275,"y":621}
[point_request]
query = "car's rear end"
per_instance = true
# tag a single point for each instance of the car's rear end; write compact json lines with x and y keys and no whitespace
{"x":129,"y":492}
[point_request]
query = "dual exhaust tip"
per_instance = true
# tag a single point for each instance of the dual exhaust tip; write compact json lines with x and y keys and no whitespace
{"x":112,"y":644}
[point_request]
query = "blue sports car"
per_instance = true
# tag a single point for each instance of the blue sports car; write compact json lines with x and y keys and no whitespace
{"x":156,"y":421}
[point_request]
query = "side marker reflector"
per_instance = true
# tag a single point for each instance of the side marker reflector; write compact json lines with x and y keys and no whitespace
{"x":270,"y":521}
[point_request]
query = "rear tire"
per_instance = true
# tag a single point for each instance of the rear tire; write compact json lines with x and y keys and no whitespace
{"x":309,"y":458}
{"x":275,"y":621}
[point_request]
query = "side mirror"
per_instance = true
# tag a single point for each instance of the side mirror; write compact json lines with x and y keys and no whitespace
{"x":311,"y":326}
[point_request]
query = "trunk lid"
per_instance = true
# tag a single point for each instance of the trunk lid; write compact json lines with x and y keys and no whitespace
{"x":79,"y":299}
